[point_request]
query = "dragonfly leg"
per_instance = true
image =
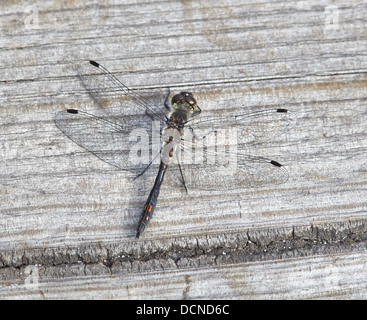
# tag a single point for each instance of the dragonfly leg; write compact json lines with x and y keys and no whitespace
{"x":166,"y":100}
{"x":203,"y":137}
{"x":197,"y":112}
{"x":147,"y":167}
{"x":181,"y":172}
{"x":182,"y":176}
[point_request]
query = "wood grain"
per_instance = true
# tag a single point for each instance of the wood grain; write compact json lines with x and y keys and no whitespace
{"x":68,"y":219}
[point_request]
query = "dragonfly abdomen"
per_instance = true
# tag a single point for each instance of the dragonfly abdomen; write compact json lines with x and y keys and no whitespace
{"x":151,"y":203}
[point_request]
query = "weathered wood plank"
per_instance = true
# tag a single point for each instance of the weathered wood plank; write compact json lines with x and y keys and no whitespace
{"x":57,"y":198}
{"x":337,"y":276}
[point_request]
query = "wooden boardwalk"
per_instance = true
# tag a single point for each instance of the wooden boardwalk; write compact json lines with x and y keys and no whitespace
{"x":68,"y":219}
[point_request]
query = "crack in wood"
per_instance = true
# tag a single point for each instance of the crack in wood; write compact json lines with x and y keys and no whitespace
{"x":208,"y":250}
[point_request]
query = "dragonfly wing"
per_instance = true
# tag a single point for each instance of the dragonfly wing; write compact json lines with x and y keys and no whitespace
{"x":245,"y":171}
{"x":125,"y":145}
{"x":264,"y":125}
{"x":115,"y":98}
{"x":216,"y":158}
{"x":250,"y":128}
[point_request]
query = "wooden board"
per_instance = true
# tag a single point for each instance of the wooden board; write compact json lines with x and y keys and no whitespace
{"x":68,"y":219}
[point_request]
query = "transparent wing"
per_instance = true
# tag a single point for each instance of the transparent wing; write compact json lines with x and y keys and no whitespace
{"x":265,"y":125}
{"x":249,"y":172}
{"x":251,"y":128}
{"x":227,"y":171}
{"x":124,"y":129}
{"x":115,"y":98}
{"x":127,"y":145}
{"x":214,"y":150}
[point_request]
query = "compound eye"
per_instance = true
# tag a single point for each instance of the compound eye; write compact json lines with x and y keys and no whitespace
{"x":185,"y":97}
{"x":177,"y":98}
{"x":189,"y":99}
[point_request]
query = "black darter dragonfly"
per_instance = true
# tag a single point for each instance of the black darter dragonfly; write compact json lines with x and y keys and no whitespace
{"x":122,"y":134}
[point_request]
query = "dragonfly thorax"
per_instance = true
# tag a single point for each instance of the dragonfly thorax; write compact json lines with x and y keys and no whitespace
{"x":178,"y":118}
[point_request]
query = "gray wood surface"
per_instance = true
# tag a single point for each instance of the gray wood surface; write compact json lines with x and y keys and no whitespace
{"x":68,"y":219}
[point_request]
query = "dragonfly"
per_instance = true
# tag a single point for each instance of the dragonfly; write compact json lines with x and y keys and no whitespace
{"x":120,"y":132}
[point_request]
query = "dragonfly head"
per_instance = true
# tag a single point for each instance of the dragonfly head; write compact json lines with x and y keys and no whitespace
{"x":185,"y":98}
